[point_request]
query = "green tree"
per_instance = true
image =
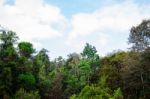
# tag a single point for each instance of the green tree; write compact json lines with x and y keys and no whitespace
{"x":23,"y":94}
{"x":44,"y":60}
{"x":27,"y":81}
{"x":7,"y":50}
{"x":26,"y":49}
{"x":8,"y":63}
{"x":77,"y":74}
{"x":42,"y":70}
{"x":25,"y":60}
{"x":8,"y":38}
{"x":98,"y":91}
{"x":89,"y":52}
{"x":111,"y":65}
{"x":5,"y":82}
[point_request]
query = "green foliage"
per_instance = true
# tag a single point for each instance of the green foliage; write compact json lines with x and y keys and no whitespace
{"x":117,"y":94}
{"x":8,"y":38}
{"x":5,"y":82}
{"x":90,"y":55}
{"x":77,"y":75}
{"x":44,"y":87}
{"x":111,"y":66}
{"x":43,"y":60}
{"x":85,"y":71}
{"x":25,"y":49}
{"x":7,"y":51}
{"x":89,"y":52}
{"x":27,"y":80}
{"x":98,"y":91}
{"x":23,"y":94}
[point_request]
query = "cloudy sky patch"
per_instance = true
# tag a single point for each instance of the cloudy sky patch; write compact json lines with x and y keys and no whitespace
{"x":64,"y":26}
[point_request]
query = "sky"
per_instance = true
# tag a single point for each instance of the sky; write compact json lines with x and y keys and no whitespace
{"x":64,"y":26}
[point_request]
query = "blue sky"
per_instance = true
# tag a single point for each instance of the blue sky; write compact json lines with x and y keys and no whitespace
{"x":70,"y":7}
{"x":64,"y":26}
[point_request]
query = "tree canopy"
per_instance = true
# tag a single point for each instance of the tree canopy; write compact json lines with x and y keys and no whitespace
{"x":140,"y":36}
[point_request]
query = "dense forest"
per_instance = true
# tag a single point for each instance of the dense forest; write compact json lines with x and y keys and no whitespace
{"x":29,"y":74}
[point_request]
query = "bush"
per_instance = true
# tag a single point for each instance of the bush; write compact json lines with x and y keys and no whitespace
{"x":22,"y":94}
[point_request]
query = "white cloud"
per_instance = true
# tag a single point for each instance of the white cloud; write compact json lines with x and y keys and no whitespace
{"x":104,"y":39}
{"x":111,"y":20}
{"x":116,"y":18}
{"x":77,"y":44}
{"x":83,"y":24}
{"x":33,"y":19}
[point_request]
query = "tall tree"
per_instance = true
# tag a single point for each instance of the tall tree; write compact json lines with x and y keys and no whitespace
{"x":7,"y":50}
{"x":140,"y":36}
{"x":26,"y":49}
{"x":44,"y":60}
{"x":8,"y":38}
{"x":8,"y":59}
{"x":98,"y":91}
{"x":89,"y":52}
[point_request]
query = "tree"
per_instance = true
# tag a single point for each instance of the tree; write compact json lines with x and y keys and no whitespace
{"x":44,"y":60}
{"x":111,"y":65}
{"x":140,"y":36}
{"x":8,"y":63}
{"x":7,"y":50}
{"x":77,"y":74}
{"x":27,"y":81}
{"x":41,"y":71}
{"x":23,"y":94}
{"x":5,"y":82}
{"x":26,"y":49}
{"x":98,"y":91}
{"x":136,"y":66}
{"x":8,"y":38}
{"x":135,"y":76}
{"x":25,"y":52}
{"x":58,"y":62}
{"x":73,"y":60}
{"x":71,"y":73}
{"x":89,"y":52}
